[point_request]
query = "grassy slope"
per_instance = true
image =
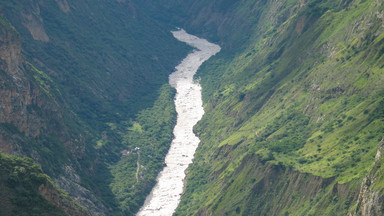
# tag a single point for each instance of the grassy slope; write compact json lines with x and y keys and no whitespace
{"x":306,"y":93}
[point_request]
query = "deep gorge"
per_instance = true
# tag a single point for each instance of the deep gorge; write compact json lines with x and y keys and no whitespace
{"x":293,"y":105}
{"x":165,"y":196}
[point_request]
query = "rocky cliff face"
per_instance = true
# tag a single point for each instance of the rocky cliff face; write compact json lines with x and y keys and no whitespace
{"x":371,"y":196}
{"x":29,"y":104}
{"x":52,"y":195}
{"x":73,"y":75}
{"x":26,"y":190}
{"x":10,"y":50}
{"x":269,"y":189}
{"x":70,"y":182}
{"x":17,"y":91}
{"x":27,"y":110}
{"x":34,"y":23}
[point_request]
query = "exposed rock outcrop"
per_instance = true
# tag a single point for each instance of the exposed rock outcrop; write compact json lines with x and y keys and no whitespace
{"x":275,"y":189}
{"x":64,"y":6}
{"x":49,"y":192}
{"x":27,"y":110}
{"x":71,"y":184}
{"x":34,"y":23}
{"x":17,"y":92}
{"x":371,"y":198}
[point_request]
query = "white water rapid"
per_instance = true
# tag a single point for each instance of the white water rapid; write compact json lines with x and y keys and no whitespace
{"x":165,"y":196}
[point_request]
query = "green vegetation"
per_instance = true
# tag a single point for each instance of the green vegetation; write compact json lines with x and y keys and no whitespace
{"x":90,"y":76}
{"x":294,"y":103}
{"x":298,"y":90}
{"x":144,"y":144}
{"x":20,"y":182}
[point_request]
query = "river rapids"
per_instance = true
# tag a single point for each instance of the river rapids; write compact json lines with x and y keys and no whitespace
{"x":165,"y":196}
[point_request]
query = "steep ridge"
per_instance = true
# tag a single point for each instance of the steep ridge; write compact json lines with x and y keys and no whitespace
{"x":371,"y":189}
{"x":294,"y":102}
{"x":295,"y":98}
{"x":34,"y":122}
{"x":80,"y":90}
{"x":98,"y":54}
{"x":26,"y":190}
{"x":24,"y":187}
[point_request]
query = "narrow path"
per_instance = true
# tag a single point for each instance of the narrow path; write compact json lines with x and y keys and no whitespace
{"x":138,"y":166}
{"x":165,"y":196}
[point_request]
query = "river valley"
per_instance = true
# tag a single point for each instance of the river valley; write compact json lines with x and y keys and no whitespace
{"x":165,"y":196}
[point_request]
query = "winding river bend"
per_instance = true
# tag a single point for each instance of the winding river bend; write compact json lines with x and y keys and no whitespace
{"x":165,"y":196}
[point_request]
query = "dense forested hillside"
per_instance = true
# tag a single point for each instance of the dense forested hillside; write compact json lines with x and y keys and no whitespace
{"x":294,"y":105}
{"x":82,"y":84}
{"x":25,"y":190}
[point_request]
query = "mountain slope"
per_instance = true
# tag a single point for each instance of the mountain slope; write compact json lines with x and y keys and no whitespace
{"x":108,"y":59}
{"x":293,"y":106}
{"x":34,"y":119}
{"x":25,"y":190}
{"x":294,"y":103}
{"x":76,"y":77}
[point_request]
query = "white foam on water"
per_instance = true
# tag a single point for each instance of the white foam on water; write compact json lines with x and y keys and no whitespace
{"x":165,"y":196}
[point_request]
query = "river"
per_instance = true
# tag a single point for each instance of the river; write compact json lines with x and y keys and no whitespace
{"x":165,"y":196}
